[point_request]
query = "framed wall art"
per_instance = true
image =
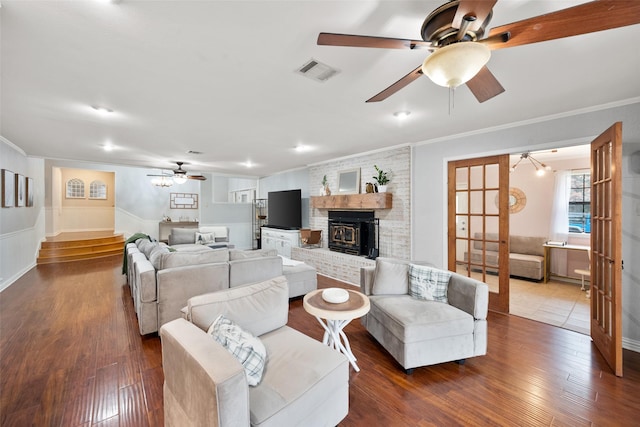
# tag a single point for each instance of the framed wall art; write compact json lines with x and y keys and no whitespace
{"x":183,"y":201}
{"x":30,"y":190}
{"x":21,"y":188}
{"x":8,"y":189}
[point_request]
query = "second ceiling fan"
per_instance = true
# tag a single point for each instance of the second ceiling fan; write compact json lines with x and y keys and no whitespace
{"x":454,"y":34}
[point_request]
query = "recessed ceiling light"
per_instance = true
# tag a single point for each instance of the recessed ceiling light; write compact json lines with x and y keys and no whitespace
{"x":102,"y":110}
{"x":401,"y":115}
{"x":301,"y":148}
{"x":107,"y":147}
{"x":248,"y":164}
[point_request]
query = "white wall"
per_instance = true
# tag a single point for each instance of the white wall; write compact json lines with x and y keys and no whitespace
{"x":430,"y":201}
{"x":21,"y":229}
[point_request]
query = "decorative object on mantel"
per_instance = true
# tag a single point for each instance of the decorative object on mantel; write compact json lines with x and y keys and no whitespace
{"x":382,"y":179}
{"x":370,"y":188}
{"x":325,"y":190}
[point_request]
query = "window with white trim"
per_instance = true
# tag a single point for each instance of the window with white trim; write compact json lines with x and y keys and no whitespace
{"x":580,"y":202}
{"x":75,"y":189}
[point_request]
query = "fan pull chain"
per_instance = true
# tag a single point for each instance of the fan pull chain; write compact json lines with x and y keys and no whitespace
{"x":452,"y":96}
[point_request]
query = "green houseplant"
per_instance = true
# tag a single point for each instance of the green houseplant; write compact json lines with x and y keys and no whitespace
{"x":382,"y":178}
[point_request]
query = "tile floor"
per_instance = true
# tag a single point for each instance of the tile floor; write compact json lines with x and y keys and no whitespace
{"x":556,"y":303}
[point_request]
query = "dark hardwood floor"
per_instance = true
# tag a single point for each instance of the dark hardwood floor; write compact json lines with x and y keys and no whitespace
{"x":71,"y":355}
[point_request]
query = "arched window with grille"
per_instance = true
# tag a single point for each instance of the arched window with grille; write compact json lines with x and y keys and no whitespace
{"x":97,"y":190}
{"x":75,"y":188}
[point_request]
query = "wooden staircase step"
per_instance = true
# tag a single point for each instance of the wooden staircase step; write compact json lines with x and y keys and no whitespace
{"x":119,"y":238}
{"x":81,"y":249}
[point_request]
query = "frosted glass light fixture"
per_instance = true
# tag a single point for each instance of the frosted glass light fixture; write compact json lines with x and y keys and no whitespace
{"x":179,"y":179}
{"x":456,"y":64}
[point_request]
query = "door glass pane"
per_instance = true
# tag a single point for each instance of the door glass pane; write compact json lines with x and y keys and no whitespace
{"x":476,"y":227}
{"x":491,"y":202}
{"x":476,"y":202}
{"x":462,"y":229}
{"x":462,"y":202}
{"x":477,"y":177}
{"x":492,"y":224}
{"x":492,"y":176}
{"x":462,"y":175}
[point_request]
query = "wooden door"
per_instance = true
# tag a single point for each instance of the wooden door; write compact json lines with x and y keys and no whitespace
{"x":606,"y":245}
{"x":478,"y":224}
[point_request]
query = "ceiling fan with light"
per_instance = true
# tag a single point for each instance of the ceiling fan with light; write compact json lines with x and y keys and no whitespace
{"x":178,"y":176}
{"x":454,"y":34}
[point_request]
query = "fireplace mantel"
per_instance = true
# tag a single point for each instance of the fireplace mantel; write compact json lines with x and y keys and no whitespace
{"x":353,"y":201}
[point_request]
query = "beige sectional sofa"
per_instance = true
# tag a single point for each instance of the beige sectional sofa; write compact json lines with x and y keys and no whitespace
{"x":419,"y":332}
{"x":162,"y":278}
{"x":304,"y":382}
{"x":526,"y":255}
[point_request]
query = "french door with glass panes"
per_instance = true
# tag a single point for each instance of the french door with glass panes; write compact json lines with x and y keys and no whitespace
{"x":478,"y":224}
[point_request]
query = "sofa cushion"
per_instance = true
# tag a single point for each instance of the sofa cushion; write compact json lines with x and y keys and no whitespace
{"x":428,"y":283}
{"x":414,"y":320}
{"x":258,"y":308}
{"x":146,"y":246}
{"x":248,"y":349}
{"x":181,"y":258}
{"x":391,"y":277}
{"x":156,"y":255}
{"x":319,"y":372}
{"x":183,"y":235}
{"x":235,"y":254}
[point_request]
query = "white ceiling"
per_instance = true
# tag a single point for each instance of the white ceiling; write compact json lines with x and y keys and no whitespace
{"x":218,"y":77}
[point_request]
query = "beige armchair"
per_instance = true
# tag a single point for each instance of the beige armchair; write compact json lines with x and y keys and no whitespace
{"x":305,"y":383}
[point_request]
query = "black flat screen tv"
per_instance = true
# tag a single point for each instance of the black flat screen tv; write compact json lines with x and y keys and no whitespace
{"x":284,"y":209}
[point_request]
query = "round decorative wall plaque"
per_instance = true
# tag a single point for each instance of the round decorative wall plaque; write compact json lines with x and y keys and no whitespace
{"x":517,"y":200}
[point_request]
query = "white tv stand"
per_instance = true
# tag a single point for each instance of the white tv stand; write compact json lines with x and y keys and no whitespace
{"x":280,"y":240}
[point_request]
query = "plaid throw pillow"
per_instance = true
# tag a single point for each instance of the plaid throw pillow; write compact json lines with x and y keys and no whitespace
{"x":428,"y":283}
{"x":248,"y":349}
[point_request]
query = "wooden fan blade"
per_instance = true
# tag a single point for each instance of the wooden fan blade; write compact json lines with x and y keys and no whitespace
{"x":494,"y":41}
{"x":484,"y":85}
{"x":582,"y":19}
{"x":478,"y":8}
{"x":332,"y":39}
{"x":198,"y":177}
{"x":397,"y":85}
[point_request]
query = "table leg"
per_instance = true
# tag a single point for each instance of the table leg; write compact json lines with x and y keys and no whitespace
{"x":336,"y":338}
{"x":546,"y":264}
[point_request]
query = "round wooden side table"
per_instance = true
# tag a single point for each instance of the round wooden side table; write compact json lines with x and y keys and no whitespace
{"x":336,"y":316}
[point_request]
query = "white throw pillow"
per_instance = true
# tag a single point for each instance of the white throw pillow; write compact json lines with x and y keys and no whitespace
{"x":205,"y":238}
{"x":428,"y":283}
{"x":249,"y":350}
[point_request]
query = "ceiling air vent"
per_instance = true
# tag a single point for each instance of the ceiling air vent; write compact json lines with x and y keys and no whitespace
{"x":317,"y":71}
{"x":194,"y":152}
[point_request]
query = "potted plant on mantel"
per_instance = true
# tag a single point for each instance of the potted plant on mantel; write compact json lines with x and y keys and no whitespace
{"x":382,"y":179}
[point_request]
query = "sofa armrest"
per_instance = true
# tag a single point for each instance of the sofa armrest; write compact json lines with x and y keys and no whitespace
{"x":469,"y":295}
{"x":203,"y":383}
{"x":176,"y":285}
{"x":258,"y":308}
{"x":366,"y":279}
